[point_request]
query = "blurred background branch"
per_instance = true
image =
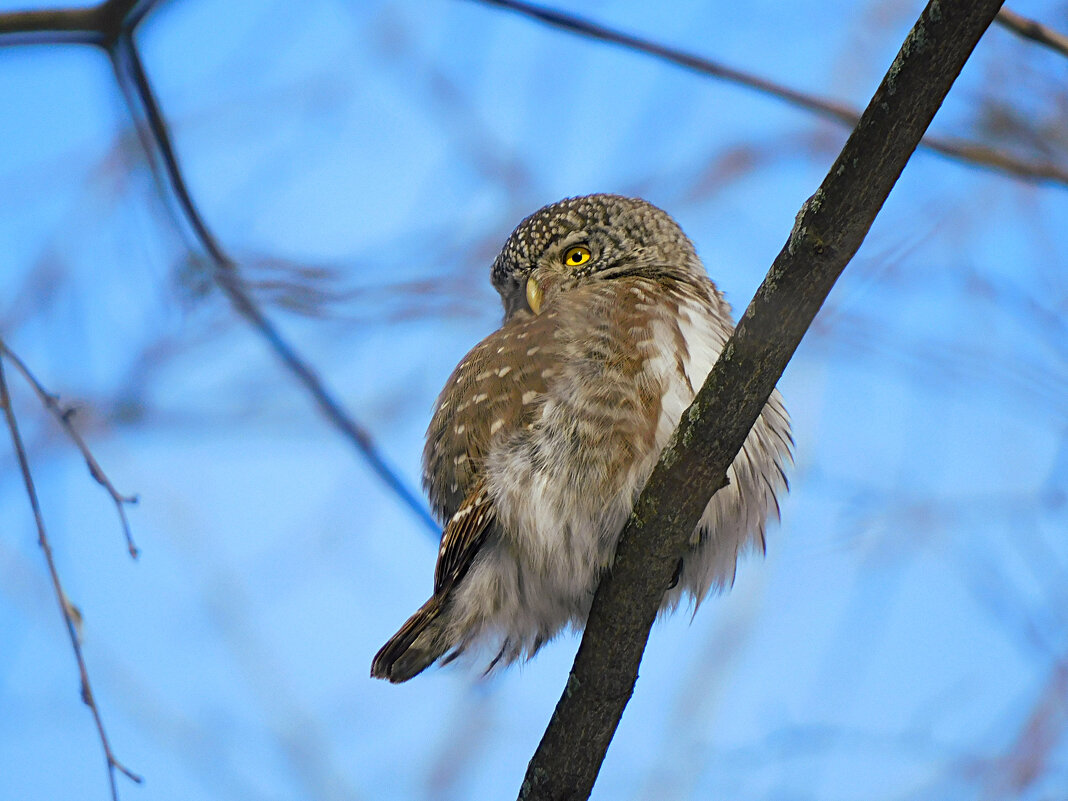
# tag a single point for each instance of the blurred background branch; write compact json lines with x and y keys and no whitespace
{"x":112,"y":25}
{"x":967,"y":152}
{"x":1036,"y":32}
{"x":71,"y":615}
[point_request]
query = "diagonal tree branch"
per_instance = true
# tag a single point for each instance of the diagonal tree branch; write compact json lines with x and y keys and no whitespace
{"x":65,"y":605}
{"x":828,"y":231}
{"x":961,"y":150}
{"x":102,"y":25}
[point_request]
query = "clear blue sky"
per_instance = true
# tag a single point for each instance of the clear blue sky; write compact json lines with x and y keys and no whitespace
{"x":909,"y":623}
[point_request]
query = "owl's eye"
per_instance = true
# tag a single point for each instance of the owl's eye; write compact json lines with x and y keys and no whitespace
{"x":576,"y":256}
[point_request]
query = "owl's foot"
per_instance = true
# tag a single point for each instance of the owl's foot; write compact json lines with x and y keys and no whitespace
{"x":676,"y":576}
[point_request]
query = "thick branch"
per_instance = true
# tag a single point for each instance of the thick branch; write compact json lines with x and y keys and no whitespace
{"x":829,"y":229}
{"x":971,"y":153}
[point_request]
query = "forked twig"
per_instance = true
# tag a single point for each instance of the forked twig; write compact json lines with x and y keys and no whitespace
{"x":64,"y":604}
{"x":64,"y":416}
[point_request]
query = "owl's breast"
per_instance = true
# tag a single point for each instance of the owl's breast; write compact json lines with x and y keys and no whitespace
{"x":630,"y":353}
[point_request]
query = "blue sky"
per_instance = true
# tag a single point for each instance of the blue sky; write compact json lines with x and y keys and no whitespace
{"x":908,"y":623}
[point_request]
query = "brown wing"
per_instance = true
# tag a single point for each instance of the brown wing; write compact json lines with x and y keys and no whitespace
{"x":463,"y":536}
{"x":492,"y":393}
{"x":424,"y":638}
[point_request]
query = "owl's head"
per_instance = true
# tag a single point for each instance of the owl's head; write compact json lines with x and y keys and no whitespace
{"x":591,"y":238}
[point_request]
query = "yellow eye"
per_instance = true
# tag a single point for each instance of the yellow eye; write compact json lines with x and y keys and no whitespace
{"x":576,"y":256}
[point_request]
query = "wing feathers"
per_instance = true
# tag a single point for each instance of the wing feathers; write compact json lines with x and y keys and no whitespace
{"x":462,"y":538}
{"x":425,"y":637}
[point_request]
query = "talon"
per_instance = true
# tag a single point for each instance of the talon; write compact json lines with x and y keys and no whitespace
{"x":675,"y":576}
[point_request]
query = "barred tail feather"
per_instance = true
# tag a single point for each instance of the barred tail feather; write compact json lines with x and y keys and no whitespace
{"x":418,"y":644}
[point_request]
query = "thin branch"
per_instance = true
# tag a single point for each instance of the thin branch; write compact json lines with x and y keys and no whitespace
{"x":63,"y":417}
{"x":970,"y":153}
{"x":1035,"y":31}
{"x":828,"y":231}
{"x":64,"y":604}
{"x":156,"y":140}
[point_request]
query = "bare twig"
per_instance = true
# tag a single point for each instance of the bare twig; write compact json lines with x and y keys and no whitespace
{"x":828,"y":231}
{"x":64,"y":604}
{"x":1035,"y":31}
{"x":957,"y":149}
{"x":63,"y":416}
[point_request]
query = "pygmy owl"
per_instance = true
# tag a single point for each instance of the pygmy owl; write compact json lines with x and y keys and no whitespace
{"x":547,"y":430}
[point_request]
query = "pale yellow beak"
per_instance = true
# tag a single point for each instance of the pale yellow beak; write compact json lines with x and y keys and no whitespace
{"x":533,"y":295}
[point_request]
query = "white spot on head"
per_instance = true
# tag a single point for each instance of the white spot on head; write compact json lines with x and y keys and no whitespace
{"x":532,"y":351}
{"x":504,"y":371}
{"x":460,"y":459}
{"x":496,"y":426}
{"x":460,"y":428}
{"x":529,"y":396}
{"x":481,"y":396}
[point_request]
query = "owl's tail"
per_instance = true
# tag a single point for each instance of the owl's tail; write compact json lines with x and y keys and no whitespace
{"x":418,"y":644}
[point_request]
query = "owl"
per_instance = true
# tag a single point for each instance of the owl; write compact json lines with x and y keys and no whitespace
{"x":548,"y":429}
